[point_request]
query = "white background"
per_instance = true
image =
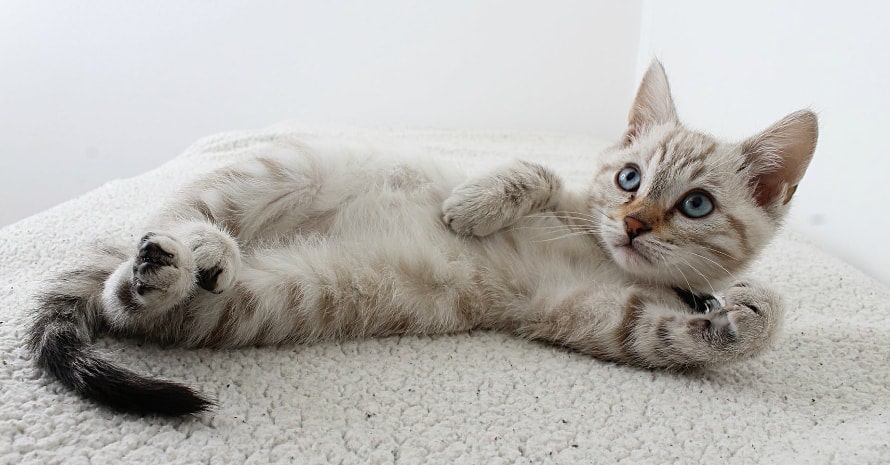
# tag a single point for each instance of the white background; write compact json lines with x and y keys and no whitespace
{"x":96,"y":90}
{"x":93,"y":91}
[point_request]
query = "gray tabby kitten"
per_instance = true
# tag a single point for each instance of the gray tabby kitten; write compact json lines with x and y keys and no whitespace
{"x":319,"y":243}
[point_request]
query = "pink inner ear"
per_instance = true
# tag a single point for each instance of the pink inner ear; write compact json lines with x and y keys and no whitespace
{"x":784,"y":152}
{"x":782,"y":181}
{"x":767,"y":190}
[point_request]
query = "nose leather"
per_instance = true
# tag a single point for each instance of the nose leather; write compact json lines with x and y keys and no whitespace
{"x":634,"y":227}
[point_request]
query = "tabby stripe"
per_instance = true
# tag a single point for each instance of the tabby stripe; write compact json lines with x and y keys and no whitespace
{"x":230,"y":221}
{"x":279,"y":213}
{"x":217,"y":337}
{"x":742,"y":231}
{"x":633,"y":311}
{"x":275,"y":169}
{"x":204,"y":210}
{"x":665,"y":348}
{"x":124,"y":294}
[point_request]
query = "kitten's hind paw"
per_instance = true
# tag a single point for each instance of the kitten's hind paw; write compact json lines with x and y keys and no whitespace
{"x":218,"y":259}
{"x":163,"y":270}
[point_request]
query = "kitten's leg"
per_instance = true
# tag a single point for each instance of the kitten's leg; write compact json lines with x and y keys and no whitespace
{"x":484,"y":205}
{"x":653,"y":329}
{"x":216,"y":253}
{"x":744,"y":327}
{"x":168,"y":268}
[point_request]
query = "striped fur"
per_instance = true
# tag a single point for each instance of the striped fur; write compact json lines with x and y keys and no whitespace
{"x":317,"y":244}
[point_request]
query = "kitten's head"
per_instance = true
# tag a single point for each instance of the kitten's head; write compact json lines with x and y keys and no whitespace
{"x":679,"y":207}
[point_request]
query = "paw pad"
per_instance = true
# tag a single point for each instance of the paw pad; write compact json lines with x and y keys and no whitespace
{"x":207,"y":279}
{"x":152,"y":253}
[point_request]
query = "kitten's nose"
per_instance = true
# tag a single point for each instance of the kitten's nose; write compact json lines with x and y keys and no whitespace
{"x":634,"y":227}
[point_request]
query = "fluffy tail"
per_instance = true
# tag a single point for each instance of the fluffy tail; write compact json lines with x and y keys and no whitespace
{"x":68,"y":317}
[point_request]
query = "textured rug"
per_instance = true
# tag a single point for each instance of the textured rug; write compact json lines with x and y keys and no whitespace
{"x":821,"y":395}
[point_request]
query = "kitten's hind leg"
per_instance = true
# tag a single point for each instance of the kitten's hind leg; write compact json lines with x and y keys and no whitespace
{"x":159,"y":275}
{"x":216,"y":254}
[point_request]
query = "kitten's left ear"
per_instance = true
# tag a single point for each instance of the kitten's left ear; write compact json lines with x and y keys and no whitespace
{"x":653,"y":104}
{"x":778,"y":157}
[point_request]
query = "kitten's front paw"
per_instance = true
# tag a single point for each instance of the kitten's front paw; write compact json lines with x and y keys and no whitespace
{"x":749,"y":321}
{"x":470,"y":211}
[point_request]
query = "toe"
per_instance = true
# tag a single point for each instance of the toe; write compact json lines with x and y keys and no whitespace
{"x":152,"y":252}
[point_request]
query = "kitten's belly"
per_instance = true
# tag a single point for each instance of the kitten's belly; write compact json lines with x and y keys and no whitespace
{"x":383,"y":264}
{"x":425,"y":270}
{"x":382,"y":261}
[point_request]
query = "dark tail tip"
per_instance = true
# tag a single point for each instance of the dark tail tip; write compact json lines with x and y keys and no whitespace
{"x":127,"y":391}
{"x":77,"y":366}
{"x":61,"y":346}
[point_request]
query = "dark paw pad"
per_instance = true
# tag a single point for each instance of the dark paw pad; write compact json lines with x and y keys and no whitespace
{"x":151,"y":252}
{"x":150,"y":258}
{"x":207,"y":278}
{"x":140,"y":286}
{"x":699,"y":303}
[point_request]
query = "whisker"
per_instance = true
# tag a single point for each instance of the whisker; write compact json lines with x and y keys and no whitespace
{"x":688,"y":286}
{"x":713,"y":291}
{"x":571,"y":218}
{"x":574,"y":212}
{"x":564,"y":236}
{"x":557,"y":213}
{"x":714,"y":250}
{"x":559,"y":226}
{"x":719,"y":265}
{"x":572,"y":223}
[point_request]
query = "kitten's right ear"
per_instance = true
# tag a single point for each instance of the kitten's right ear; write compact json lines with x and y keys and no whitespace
{"x":653,"y":104}
{"x":778,"y":157}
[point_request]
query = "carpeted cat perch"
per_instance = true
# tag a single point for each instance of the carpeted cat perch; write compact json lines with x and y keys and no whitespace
{"x":821,"y":395}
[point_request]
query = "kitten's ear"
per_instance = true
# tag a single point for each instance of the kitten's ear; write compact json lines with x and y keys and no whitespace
{"x":653,"y":104}
{"x":778,"y":157}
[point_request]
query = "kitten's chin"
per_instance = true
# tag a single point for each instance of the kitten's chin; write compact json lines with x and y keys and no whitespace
{"x":632,"y":259}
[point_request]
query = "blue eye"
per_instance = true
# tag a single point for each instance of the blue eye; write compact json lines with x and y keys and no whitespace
{"x":629,"y":179}
{"x":696,"y":205}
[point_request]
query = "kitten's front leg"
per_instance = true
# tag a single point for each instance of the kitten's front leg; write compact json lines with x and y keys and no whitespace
{"x":652,"y":328}
{"x":660,"y":334}
{"x":487,"y":204}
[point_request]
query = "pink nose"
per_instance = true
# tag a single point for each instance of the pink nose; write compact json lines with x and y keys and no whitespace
{"x":634,"y":227}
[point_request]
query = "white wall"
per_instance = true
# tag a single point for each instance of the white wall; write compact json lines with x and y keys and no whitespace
{"x":735,"y":67}
{"x":91,"y":91}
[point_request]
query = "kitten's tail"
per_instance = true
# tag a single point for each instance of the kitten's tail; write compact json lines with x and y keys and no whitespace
{"x":68,"y":317}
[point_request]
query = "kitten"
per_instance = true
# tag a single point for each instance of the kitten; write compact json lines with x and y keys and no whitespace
{"x":317,"y":244}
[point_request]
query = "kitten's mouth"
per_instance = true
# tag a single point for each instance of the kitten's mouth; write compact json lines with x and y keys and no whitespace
{"x":631,"y":254}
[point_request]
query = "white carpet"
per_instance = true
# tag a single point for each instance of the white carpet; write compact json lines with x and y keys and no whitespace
{"x":820,"y":396}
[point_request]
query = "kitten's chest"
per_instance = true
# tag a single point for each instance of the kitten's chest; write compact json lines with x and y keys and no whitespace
{"x":536,"y":256}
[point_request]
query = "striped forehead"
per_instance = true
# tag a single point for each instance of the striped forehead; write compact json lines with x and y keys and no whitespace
{"x":681,"y":156}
